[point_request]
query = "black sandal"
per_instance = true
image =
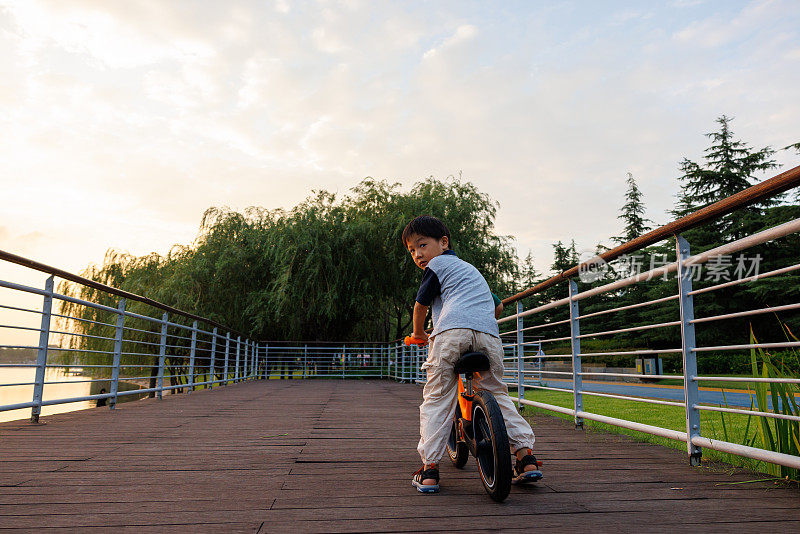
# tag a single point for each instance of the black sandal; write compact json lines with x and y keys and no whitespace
{"x":520,"y":475}
{"x":423,"y":474}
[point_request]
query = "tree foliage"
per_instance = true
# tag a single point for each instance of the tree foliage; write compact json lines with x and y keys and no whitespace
{"x":333,"y":267}
{"x":729,"y":166}
{"x":632,"y":214}
{"x":328,"y":269}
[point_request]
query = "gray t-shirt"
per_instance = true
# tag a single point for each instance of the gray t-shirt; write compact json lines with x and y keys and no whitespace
{"x":458,"y":295}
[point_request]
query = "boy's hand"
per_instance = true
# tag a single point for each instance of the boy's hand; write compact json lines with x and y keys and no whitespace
{"x":417,"y":339}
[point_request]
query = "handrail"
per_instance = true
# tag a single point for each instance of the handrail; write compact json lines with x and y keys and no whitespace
{"x":768,"y":188}
{"x":195,"y":356}
{"x":66,"y":275}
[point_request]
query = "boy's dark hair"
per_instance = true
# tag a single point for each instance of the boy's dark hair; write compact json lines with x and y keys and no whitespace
{"x":427,"y":226}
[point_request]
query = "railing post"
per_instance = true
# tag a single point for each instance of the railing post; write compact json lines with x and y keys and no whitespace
{"x":421,"y":355}
{"x":414,"y":363}
{"x":575,"y":331}
{"x":256,"y":361}
{"x":344,"y":359}
{"x":409,"y":362}
{"x":406,"y":356}
{"x":117,"y":355}
{"x":227,"y":352}
{"x":192,"y":352}
{"x":520,"y":358}
{"x":251,"y":357}
{"x":412,"y":371}
{"x":402,"y":373}
{"x":243,"y":374}
{"x":266,"y":361}
{"x":41,"y":355}
{"x":245,"y":363}
{"x":688,"y":344}
{"x":236,"y":371}
{"x":403,"y":366}
{"x":212,"y":364}
{"x":162,"y":354}
{"x":415,"y":371}
{"x":305,"y":360}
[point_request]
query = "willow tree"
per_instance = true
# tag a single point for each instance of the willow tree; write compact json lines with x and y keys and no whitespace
{"x":329,"y":269}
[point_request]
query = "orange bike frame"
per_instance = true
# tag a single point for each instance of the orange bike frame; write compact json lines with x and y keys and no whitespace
{"x":463,"y":402}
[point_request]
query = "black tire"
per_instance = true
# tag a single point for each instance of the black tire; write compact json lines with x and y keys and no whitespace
{"x":457,"y":450}
{"x":493,"y":451}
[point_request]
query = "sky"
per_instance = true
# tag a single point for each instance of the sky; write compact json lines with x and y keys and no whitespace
{"x":122,"y":122}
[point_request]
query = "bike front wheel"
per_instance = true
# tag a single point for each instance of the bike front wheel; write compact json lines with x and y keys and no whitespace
{"x":492,"y":448}
{"x":456,"y":447}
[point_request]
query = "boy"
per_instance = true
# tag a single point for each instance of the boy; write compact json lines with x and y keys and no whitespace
{"x":463,"y":320}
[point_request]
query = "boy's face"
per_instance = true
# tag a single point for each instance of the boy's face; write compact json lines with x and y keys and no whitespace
{"x":423,"y":248}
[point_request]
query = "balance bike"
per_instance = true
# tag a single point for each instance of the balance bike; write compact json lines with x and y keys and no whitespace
{"x":478,"y":427}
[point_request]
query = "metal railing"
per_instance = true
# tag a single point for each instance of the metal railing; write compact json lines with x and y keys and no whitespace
{"x":177,"y":351}
{"x":147,"y":354}
{"x":684,"y":266}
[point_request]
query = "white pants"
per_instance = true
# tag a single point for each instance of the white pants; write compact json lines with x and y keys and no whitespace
{"x":440,"y":394}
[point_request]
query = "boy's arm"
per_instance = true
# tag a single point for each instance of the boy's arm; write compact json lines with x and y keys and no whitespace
{"x":498,"y":311}
{"x":428,"y":290}
{"x":420,"y":313}
{"x":498,"y":306}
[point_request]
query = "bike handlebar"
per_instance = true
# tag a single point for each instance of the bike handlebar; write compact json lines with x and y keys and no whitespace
{"x":411,"y":340}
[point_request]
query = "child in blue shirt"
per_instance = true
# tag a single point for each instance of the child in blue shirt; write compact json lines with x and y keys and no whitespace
{"x":464,"y":320}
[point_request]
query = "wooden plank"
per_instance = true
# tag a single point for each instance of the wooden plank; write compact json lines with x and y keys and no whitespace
{"x":337,"y":456}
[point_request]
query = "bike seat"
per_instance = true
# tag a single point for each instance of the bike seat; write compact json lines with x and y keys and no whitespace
{"x":470,"y":362}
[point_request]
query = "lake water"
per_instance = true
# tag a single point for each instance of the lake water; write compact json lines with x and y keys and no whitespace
{"x":74,"y":385}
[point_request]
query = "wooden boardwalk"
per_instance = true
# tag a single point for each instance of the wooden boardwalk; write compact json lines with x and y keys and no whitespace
{"x":337,"y":456}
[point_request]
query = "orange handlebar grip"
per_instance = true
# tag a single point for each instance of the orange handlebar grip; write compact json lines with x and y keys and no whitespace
{"x":410,"y":340}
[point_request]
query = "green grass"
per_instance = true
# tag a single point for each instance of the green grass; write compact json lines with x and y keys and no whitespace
{"x":735,"y":428}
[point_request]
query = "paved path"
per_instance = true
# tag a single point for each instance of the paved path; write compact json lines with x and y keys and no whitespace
{"x":336,"y":456}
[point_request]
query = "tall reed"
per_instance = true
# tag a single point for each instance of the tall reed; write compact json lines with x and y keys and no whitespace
{"x":779,"y":435}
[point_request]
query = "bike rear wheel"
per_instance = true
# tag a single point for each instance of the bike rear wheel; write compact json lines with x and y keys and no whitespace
{"x":457,"y":449}
{"x":493,"y":452}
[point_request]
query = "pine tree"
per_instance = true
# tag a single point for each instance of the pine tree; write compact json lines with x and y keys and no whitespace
{"x":632,"y":214}
{"x":528,"y":275}
{"x":730,"y":166}
{"x":796,"y":147}
{"x":574,"y":258}
{"x":561,"y":257}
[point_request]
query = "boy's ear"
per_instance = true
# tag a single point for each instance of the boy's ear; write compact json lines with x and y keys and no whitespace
{"x":444,"y":241}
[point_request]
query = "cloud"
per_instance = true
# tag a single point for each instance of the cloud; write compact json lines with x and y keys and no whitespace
{"x":20,"y":244}
{"x":127,"y":120}
{"x":463,"y":33}
{"x":92,"y":30}
{"x":720,"y":29}
{"x":325,"y":42}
